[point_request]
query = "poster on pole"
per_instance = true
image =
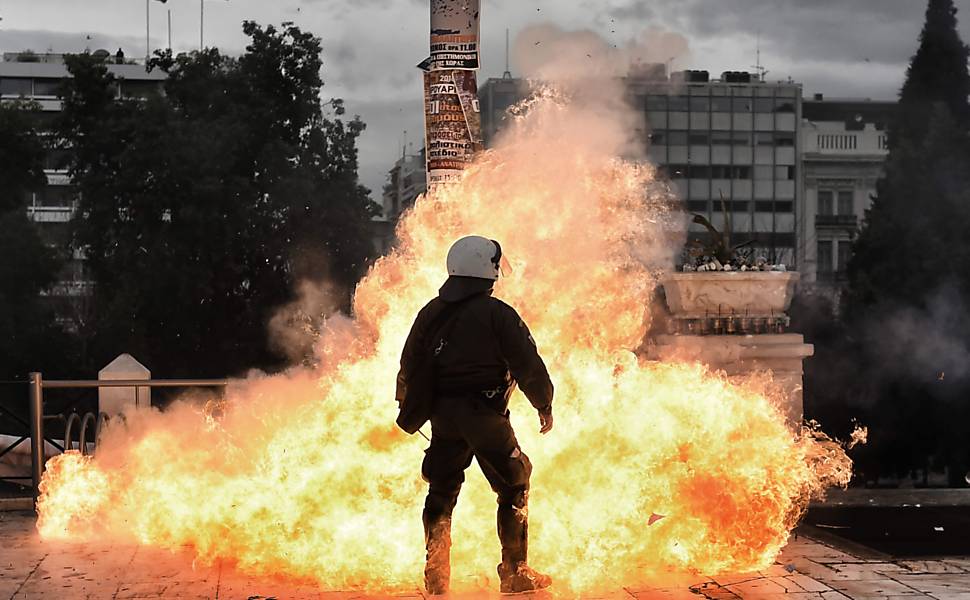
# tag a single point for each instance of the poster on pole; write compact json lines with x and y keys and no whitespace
{"x":452,"y":124}
{"x":455,"y":29}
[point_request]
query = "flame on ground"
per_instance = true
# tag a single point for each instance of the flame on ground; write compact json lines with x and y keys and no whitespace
{"x":650,"y":466}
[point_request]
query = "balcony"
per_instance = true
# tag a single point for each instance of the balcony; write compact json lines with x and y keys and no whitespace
{"x":50,"y":214}
{"x":836,"y":221}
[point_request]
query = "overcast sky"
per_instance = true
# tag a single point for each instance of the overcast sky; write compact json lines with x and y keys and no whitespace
{"x":843,"y":48}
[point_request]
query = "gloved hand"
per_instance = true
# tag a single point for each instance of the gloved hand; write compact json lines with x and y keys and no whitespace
{"x":545,"y":420}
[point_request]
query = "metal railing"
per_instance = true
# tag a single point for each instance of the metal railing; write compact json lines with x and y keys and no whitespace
{"x":36,"y":387}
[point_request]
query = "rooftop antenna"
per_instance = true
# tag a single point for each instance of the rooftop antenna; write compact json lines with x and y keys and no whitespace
{"x":759,"y":68}
{"x":404,"y":148}
{"x":507,"y":74}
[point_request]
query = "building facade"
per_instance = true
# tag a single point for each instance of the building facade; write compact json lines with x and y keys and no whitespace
{"x":844,"y":150}
{"x":729,"y":146}
{"x":37,"y":77}
{"x":406,"y":180}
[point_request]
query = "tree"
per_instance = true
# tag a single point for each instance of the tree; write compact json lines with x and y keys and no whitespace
{"x":200,"y":205}
{"x":912,"y":248}
{"x":21,"y":154}
{"x":29,"y":337}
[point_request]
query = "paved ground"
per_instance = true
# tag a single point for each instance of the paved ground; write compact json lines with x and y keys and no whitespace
{"x":806,"y":569}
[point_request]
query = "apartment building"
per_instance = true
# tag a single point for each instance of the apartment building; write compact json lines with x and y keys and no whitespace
{"x":37,"y":77}
{"x":844,"y":149}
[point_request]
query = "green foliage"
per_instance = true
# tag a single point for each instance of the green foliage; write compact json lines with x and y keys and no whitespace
{"x":203,"y":207}
{"x":913,"y":245}
{"x":21,"y":154}
{"x":29,"y":337}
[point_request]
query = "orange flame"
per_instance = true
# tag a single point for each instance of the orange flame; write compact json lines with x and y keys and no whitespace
{"x":651,"y":466}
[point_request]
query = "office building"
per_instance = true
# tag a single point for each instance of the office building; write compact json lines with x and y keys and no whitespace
{"x":733,"y":139}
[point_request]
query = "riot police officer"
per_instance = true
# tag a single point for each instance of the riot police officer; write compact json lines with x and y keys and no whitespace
{"x":484,"y":351}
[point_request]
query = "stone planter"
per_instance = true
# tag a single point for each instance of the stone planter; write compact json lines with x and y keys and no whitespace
{"x":754,"y":294}
{"x":736,"y":322}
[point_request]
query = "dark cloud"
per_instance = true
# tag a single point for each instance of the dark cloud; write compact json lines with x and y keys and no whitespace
{"x":879,"y":30}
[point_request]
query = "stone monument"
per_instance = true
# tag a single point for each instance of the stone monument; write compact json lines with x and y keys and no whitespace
{"x":114,"y":400}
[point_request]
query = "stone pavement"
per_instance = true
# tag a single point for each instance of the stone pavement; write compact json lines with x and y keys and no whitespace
{"x":806,"y":569}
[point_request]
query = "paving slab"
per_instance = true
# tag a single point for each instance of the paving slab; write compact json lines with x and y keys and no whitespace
{"x":807,"y":569}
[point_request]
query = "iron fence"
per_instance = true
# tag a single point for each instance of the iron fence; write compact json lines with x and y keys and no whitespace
{"x":36,"y":386}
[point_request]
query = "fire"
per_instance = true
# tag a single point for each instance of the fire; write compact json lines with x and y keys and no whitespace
{"x":651,"y":466}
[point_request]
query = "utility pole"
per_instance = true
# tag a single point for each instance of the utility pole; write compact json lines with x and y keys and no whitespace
{"x":201,"y":25}
{"x":507,"y":74}
{"x":170,"y":29}
{"x":148,"y":43}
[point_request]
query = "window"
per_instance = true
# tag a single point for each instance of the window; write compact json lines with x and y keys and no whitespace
{"x":720,"y":104}
{"x":741,"y":172}
{"x":739,"y":206}
{"x":741,"y":138}
{"x":139,"y":89}
{"x":677,"y":171}
{"x":46,"y":87}
{"x":699,"y":104}
{"x":764,"y":206}
{"x":658,"y":138}
{"x":678,"y":103}
{"x":721,"y":138}
{"x":785,"y":173}
{"x":57,"y":160}
{"x":677,"y":138}
{"x":764,"y":105}
{"x":883,"y":142}
{"x":697,"y":206}
{"x":824,"y":256}
{"x":845,"y":252}
{"x":657,"y":103}
{"x":825,"y":202}
{"x":15,"y":86}
{"x":763,"y":172}
{"x":784,"y":139}
{"x":845,"y":202}
{"x":785,"y":207}
{"x":764,"y":138}
{"x":55,"y":196}
{"x":730,"y":172}
{"x":699,"y":172}
{"x":784,"y":106}
{"x":699,"y":139}
{"x":742,"y":105}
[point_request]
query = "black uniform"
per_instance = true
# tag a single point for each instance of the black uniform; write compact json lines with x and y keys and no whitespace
{"x":488,"y":350}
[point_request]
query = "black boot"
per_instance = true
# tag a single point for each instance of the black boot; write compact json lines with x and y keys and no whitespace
{"x":437,"y":541}
{"x":514,"y":572}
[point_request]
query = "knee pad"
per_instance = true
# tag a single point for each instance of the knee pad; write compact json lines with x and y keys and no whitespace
{"x":516,"y":499}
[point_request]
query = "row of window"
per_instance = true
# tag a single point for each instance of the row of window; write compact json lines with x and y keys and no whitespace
{"x":741,"y":206}
{"x":758,"y":172}
{"x":781,"y":139}
{"x":704,"y":104}
{"x":27,"y":87}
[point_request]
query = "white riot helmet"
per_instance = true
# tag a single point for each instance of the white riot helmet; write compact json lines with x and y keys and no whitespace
{"x":475,"y":256}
